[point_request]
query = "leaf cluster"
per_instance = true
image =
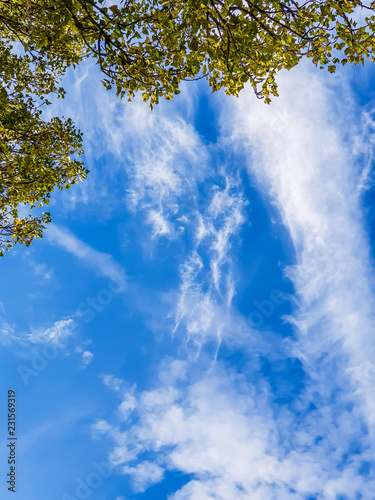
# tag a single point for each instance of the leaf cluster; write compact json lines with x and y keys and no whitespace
{"x":36,"y":156}
{"x":147,"y":46}
{"x":153,"y":45}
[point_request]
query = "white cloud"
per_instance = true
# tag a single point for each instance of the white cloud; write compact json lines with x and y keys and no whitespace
{"x":114,"y":383}
{"x":299,"y":150}
{"x":164,"y":172}
{"x":228,"y":433}
{"x":161,"y":227}
{"x":233,"y":441}
{"x":7,"y":332}
{"x":149,"y":161}
{"x":165,"y":161}
{"x":224,"y":433}
{"x":207,"y":277}
{"x":103,"y":263}
{"x":57,"y":334}
{"x":42,"y":270}
{"x":87,"y":358}
{"x":144,"y":475}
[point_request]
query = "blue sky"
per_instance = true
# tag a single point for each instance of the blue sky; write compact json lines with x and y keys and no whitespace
{"x":197,"y":322}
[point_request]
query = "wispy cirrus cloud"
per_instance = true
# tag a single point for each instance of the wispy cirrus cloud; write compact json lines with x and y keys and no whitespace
{"x":145,"y":160}
{"x":311,"y":170}
{"x":228,"y":430}
{"x":169,"y":176}
{"x":60,"y":331}
{"x":207,"y":277}
{"x":103,"y":263}
{"x":7,"y":331}
{"x":57,"y":334}
{"x":232,"y":436}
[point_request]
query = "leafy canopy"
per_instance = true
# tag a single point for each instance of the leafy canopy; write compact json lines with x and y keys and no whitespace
{"x":36,"y":156}
{"x":153,"y":45}
{"x":149,"y":46}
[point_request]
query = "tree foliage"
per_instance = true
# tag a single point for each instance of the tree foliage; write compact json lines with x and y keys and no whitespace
{"x":147,"y":46}
{"x":153,"y":45}
{"x":36,"y":156}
